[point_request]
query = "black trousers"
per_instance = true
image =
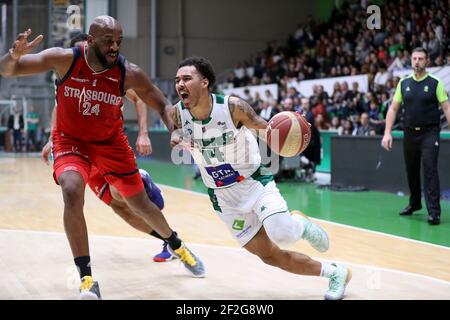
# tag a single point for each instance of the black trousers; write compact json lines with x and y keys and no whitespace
{"x":423,"y":145}
{"x":17,"y":139}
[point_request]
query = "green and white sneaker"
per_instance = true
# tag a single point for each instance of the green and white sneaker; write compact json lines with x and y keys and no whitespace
{"x":313,"y":233}
{"x":338,"y":282}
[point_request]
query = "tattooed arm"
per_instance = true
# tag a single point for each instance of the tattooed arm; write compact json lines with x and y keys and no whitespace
{"x":176,"y":117}
{"x":177,"y":134}
{"x":243,"y":114}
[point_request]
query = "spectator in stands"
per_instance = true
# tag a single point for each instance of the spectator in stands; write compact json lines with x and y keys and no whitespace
{"x":356,"y":122}
{"x":269,"y":97}
{"x":267,"y":111}
{"x":365,"y":129}
{"x":255,"y":81}
{"x":32,"y":120}
{"x":433,"y":45}
{"x":306,"y":110}
{"x":346,"y":128}
{"x":288,"y":104}
{"x":384,"y":105}
{"x":257,"y":102}
{"x":382,"y":76}
{"x":346,"y":93}
{"x":337,"y":93}
{"x":232,"y":80}
{"x":320,"y":122}
{"x":248,"y":97}
{"x":292,"y":93}
{"x":320,"y":108}
{"x":335,"y":124}
{"x":376,"y":119}
{"x":16,"y":126}
{"x":297,"y":104}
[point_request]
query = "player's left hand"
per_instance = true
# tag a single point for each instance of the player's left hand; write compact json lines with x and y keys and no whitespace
{"x":143,"y":145}
{"x":46,"y":152}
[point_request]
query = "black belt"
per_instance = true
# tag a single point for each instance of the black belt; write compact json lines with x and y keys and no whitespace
{"x":422,"y":128}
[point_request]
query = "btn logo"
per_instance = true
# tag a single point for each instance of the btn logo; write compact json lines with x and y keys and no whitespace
{"x":408,"y":89}
{"x":238,"y":225}
{"x":425,"y":89}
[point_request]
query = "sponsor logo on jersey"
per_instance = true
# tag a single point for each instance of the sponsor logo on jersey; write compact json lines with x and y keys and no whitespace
{"x":112,"y":79}
{"x":79,"y":80}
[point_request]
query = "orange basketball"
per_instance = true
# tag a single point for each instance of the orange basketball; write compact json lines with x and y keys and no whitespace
{"x":288,"y":133}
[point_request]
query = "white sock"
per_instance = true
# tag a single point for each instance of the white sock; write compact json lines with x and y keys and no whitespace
{"x":327,"y":270}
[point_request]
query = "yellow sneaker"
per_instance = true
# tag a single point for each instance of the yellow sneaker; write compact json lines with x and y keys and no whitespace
{"x":89,"y":289}
{"x":191,"y":262}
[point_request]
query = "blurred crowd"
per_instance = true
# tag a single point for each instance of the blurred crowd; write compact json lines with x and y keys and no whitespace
{"x":344,"y":46}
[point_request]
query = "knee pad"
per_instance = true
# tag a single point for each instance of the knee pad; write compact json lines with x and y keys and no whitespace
{"x":283,"y":229}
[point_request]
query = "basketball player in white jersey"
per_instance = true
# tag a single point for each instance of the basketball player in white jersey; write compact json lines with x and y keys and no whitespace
{"x":243,"y":193}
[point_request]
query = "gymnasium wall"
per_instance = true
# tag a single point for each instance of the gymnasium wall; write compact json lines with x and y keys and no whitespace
{"x":224,"y":31}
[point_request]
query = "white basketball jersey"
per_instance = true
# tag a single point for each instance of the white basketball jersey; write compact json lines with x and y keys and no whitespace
{"x":225,"y":155}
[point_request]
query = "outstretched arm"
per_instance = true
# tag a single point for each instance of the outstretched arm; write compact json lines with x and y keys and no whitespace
{"x":143,"y":143}
{"x":137,"y":80}
{"x":18,"y":61}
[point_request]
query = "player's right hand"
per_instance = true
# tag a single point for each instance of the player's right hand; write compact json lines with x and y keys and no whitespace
{"x":21,"y":46}
{"x":46,"y":152}
{"x":178,"y":139}
{"x":387,"y":141}
{"x":175,"y":140}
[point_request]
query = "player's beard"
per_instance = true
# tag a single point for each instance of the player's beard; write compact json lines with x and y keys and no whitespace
{"x":419,"y":69}
{"x":102,"y":58}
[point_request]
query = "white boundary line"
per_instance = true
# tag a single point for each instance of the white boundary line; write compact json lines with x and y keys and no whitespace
{"x":330,"y":222}
{"x":362,"y":266}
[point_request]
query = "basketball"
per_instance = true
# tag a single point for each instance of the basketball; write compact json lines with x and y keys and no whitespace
{"x":288,"y":133}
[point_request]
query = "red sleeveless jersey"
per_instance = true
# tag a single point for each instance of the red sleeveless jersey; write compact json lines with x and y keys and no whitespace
{"x":89,"y":102}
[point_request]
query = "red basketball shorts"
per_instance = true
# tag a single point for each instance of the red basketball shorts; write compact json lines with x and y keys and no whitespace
{"x":114,"y":160}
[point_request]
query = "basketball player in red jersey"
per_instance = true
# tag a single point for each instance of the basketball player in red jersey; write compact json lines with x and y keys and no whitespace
{"x":90,"y":86}
{"x":110,"y":196}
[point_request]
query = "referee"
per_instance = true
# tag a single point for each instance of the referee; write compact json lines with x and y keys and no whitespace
{"x":421,"y":94}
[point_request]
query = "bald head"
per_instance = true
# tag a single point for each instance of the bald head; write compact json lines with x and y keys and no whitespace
{"x":104,"y":24}
{"x":105,"y":37}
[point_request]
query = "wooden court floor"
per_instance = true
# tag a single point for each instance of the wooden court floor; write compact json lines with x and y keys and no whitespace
{"x":36,"y":263}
